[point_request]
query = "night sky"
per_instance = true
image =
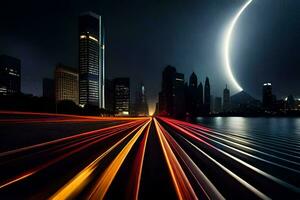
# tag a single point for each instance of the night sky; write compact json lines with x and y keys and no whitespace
{"x":142,"y":37}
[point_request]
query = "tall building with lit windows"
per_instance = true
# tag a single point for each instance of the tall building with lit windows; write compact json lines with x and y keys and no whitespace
{"x":122,"y":96}
{"x":66,"y":83}
{"x":91,"y":60}
{"x":10,"y":75}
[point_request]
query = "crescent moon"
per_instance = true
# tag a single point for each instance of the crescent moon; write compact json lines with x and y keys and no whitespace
{"x":227,"y":46}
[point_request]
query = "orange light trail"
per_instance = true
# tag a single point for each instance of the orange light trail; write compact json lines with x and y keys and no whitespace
{"x":182,"y":185}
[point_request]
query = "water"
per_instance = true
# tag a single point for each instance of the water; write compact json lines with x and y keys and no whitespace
{"x":284,"y":128}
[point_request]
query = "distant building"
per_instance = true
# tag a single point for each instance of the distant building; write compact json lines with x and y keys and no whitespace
{"x":200,"y":99}
{"x":66,"y":83}
{"x":109,"y":96}
{"x":218,"y":105}
{"x":206,"y":96}
{"x":10,"y":75}
{"x":172,"y":95}
{"x":192,"y":96}
{"x":290,"y":102}
{"x":141,"y":105}
{"x":267,"y":96}
{"x":122,"y":96}
{"x":91,"y":60}
{"x":226,"y":100}
{"x":48,"y":88}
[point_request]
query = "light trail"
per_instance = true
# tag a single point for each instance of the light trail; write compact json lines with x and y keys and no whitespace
{"x":92,"y":141}
{"x":209,"y":190}
{"x":83,"y":177}
{"x":227,"y":46}
{"x":255,"y":169}
{"x":182,"y":185}
{"x":109,"y":174}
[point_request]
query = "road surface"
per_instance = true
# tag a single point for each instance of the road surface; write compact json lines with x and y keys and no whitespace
{"x":49,"y":156}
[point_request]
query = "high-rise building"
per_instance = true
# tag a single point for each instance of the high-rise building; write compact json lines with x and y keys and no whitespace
{"x":48,"y":88}
{"x":141,"y":105}
{"x":267,"y":96}
{"x":191,"y":99}
{"x":122,"y":96}
{"x":91,"y":60}
{"x":200,"y":99}
{"x":218,"y":105}
{"x":10,"y":75}
{"x":171,"y":97}
{"x":66,"y":83}
{"x":226,"y":100}
{"x":206,"y":96}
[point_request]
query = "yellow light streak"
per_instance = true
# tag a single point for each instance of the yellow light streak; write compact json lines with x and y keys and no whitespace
{"x":75,"y":185}
{"x":109,"y":174}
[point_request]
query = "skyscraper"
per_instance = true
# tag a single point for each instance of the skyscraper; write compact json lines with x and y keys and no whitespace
{"x":66,"y":83}
{"x":206,"y":96}
{"x":141,"y":105}
{"x":171,"y":97}
{"x":122,"y":96}
{"x":267,"y":96}
{"x":91,"y":60}
{"x":200,"y":99}
{"x":10,"y":75}
{"x":191,"y":103}
{"x":226,"y":100}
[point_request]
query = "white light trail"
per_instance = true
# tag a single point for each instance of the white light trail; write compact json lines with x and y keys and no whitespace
{"x":227,"y":47}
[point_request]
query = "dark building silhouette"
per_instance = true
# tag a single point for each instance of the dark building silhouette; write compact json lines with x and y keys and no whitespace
{"x":206,"y":96}
{"x":48,"y":88}
{"x":226,"y":100}
{"x":10,"y":75}
{"x":267,"y":96}
{"x":172,"y":95}
{"x":141,"y":105}
{"x":290,"y":102}
{"x":122,"y":96}
{"x":217,"y":105}
{"x":192,"y":96}
{"x":200,"y":99}
{"x":66,"y":83}
{"x":109,"y":96}
{"x":91,"y":60}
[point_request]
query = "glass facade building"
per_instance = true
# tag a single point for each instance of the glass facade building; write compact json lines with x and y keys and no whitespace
{"x":91,"y":60}
{"x":10,"y":75}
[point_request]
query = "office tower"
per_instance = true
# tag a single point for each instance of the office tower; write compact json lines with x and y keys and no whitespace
{"x":66,"y":83}
{"x":199,"y":99}
{"x":179,"y":96}
{"x":91,"y":60}
{"x":48,"y":88}
{"x":141,"y":105}
{"x":290,"y":102}
{"x":191,"y":103}
{"x":109,"y":96}
{"x":267,"y":96}
{"x":171,"y":97}
{"x":226,"y":100}
{"x":10,"y":75}
{"x":218,"y":105}
{"x":122,"y":96}
{"x":206,"y":96}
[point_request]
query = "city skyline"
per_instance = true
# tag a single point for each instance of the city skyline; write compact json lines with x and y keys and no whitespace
{"x":201,"y":58}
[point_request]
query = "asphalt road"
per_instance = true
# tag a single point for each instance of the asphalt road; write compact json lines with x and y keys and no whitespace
{"x":46,"y":156}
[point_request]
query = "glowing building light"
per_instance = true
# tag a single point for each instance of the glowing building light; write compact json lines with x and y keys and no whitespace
{"x":82,"y":36}
{"x":93,"y":38}
{"x":227,"y":46}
